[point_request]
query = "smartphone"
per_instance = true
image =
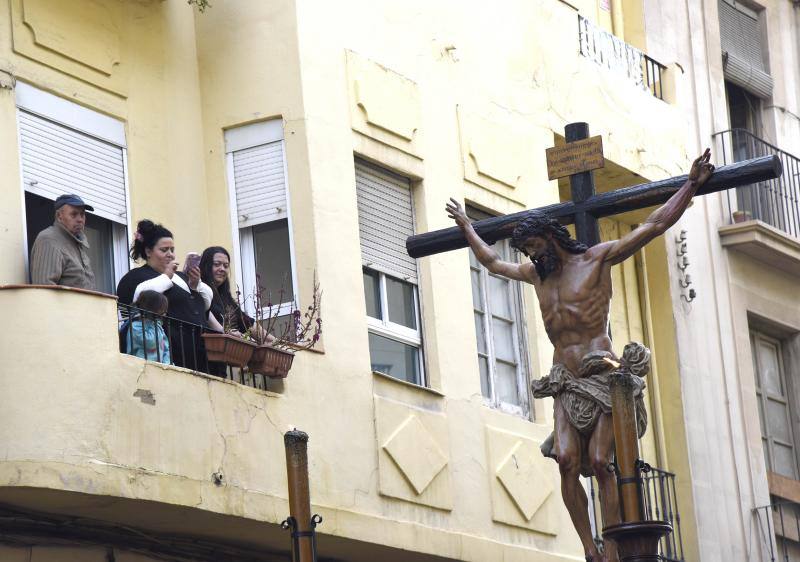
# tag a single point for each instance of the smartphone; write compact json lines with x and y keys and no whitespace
{"x":192,"y":260}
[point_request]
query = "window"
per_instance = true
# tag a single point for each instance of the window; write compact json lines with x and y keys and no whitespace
{"x":743,"y":56}
{"x":260,"y":207}
{"x":385,"y":220}
{"x":497,"y":306}
{"x":66,"y":148}
{"x":744,"y":112}
{"x":774,"y":405}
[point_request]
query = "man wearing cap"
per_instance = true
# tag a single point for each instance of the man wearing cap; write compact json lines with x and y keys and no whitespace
{"x":60,"y":254}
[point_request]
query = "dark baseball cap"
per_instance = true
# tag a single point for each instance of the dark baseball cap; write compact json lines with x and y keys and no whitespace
{"x":71,"y":199}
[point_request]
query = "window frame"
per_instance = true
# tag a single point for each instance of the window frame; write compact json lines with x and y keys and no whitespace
{"x":520,"y":343}
{"x":383,"y":326}
{"x":764,"y":397}
{"x":242,"y":138}
{"x":93,"y":124}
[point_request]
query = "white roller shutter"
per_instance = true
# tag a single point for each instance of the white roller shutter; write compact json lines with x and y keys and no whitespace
{"x":260,"y":184}
{"x":743,"y":58}
{"x":385,"y":220}
{"x":57,"y":159}
{"x":747,"y":76}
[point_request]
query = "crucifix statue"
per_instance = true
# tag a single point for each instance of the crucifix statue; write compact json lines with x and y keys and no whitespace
{"x":572,"y":280}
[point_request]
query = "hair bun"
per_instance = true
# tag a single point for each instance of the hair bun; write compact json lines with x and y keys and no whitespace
{"x":145,"y":225}
{"x":146,"y":235}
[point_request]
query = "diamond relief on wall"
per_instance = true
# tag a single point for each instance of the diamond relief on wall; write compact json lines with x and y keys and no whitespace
{"x":527,"y":486}
{"x":415,"y":453}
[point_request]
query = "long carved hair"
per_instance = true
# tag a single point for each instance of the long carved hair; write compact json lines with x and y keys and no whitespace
{"x":536,"y":223}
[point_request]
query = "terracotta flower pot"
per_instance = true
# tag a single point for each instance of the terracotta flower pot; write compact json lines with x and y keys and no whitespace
{"x":271,"y":362}
{"x":228,"y":349}
{"x":741,"y":216}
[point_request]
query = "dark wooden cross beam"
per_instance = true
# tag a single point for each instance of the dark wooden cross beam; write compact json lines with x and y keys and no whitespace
{"x":587,"y":207}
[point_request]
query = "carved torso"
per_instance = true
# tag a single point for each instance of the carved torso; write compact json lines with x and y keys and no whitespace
{"x":575,"y":302}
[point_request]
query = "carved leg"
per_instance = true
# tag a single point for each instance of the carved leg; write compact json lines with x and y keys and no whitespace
{"x":568,"y":451}
{"x":601,"y":448}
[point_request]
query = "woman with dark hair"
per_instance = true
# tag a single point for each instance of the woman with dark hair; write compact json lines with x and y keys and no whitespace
{"x":214,"y":265}
{"x":189,"y":298}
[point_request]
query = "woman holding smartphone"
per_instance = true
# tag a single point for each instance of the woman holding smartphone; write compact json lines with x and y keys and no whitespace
{"x":189,"y":298}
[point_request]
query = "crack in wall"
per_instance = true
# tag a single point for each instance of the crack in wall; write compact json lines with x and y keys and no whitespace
{"x":253,"y":410}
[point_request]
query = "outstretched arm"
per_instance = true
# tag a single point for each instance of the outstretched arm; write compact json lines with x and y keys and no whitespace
{"x":663,"y":217}
{"x":485,"y":254}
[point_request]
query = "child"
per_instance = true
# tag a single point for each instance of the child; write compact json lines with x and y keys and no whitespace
{"x":145,"y":336}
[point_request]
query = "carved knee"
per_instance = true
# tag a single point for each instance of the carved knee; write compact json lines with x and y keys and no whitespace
{"x":568,"y":463}
{"x":600,"y":466}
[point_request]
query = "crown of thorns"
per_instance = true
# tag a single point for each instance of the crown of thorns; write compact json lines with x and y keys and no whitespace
{"x":537,"y":223}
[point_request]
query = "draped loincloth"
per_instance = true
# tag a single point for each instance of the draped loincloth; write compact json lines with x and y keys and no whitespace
{"x":587,"y":396}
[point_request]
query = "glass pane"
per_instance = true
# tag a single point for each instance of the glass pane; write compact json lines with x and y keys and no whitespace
{"x":502,"y":334}
{"x":477,"y":301}
{"x":778,"y":420}
{"x":101,"y":253}
{"x":394,"y":358}
{"x":280,"y":326}
{"x":784,"y":461}
{"x":770,"y":373}
{"x":400,"y":297}
{"x":506,"y":383}
{"x":499,"y":296}
{"x":273,"y":261}
{"x":372,"y":294}
{"x":483,"y":365}
{"x":480,"y":334}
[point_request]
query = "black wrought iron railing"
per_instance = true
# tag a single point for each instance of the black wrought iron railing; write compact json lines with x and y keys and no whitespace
{"x":660,"y":504}
{"x":780,"y":521}
{"x":613,"y":53}
{"x":774,"y":202}
{"x":172,"y":341}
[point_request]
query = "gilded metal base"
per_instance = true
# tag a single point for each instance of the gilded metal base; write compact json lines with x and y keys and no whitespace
{"x":637,"y":542}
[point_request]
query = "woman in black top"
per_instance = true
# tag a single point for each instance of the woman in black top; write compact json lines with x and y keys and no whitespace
{"x":189,"y":298}
{"x":214,"y":265}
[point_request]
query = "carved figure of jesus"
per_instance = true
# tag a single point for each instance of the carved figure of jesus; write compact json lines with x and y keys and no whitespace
{"x":573,"y":286}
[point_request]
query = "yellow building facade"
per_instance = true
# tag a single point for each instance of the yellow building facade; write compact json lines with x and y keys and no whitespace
{"x":424,"y":441}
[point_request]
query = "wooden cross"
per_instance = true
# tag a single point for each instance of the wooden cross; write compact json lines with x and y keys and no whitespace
{"x":586,"y":206}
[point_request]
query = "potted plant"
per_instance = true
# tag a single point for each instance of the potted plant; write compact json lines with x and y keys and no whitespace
{"x":298,"y":331}
{"x":229,"y":347}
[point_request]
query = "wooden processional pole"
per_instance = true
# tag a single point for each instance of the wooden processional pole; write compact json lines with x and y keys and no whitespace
{"x":300,"y":520}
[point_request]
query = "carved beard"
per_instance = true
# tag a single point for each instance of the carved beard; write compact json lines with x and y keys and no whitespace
{"x":547,"y":263}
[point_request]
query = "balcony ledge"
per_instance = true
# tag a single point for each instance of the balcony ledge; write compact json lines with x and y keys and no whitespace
{"x":764,"y":243}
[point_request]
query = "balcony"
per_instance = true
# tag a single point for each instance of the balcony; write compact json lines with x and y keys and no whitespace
{"x":618,"y":56}
{"x":660,"y":504}
{"x":95,"y":441}
{"x":779,"y":520}
{"x":179,"y":341}
{"x":775,"y":202}
{"x":763,"y":218}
